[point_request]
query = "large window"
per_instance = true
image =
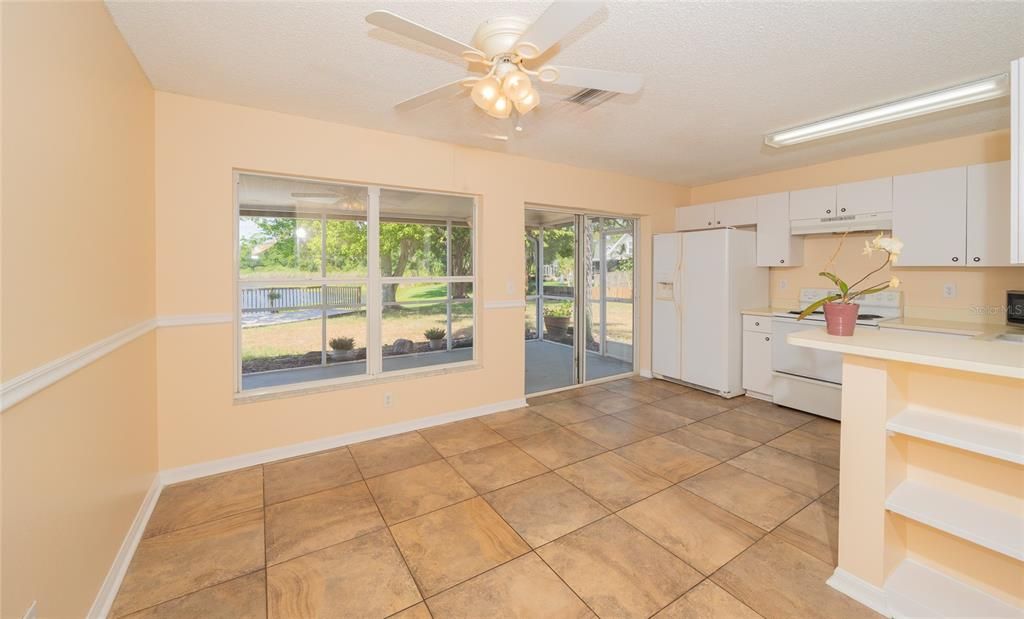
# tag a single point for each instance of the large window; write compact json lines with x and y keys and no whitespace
{"x":340,"y":282}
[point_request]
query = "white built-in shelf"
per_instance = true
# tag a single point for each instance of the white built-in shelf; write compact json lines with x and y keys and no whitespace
{"x":914,"y":590}
{"x":986,"y":526}
{"x":996,"y":440}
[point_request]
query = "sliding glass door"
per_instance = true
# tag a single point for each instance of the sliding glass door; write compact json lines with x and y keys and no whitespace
{"x":579,"y":298}
{"x":551,"y":301}
{"x":609,"y":291}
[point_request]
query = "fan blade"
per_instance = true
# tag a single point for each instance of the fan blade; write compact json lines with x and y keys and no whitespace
{"x":432,"y":95}
{"x":400,"y":25}
{"x":554,"y":23}
{"x":611,"y":81}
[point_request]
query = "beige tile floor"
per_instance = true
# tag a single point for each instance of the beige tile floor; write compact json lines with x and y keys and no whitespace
{"x":635,"y":498}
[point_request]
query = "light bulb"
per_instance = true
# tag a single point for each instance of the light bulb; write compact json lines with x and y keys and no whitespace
{"x":516,"y":85}
{"x":485,"y":92}
{"x":501,"y":108}
{"x":527,"y":103}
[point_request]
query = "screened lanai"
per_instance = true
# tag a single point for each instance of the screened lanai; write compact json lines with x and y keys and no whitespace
{"x":343,"y":281}
{"x":577,"y":264}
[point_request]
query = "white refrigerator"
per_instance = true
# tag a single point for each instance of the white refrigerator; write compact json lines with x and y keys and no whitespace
{"x":702,"y":281}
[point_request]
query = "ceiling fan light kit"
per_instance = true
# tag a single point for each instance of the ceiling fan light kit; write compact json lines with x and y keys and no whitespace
{"x":503,"y":44}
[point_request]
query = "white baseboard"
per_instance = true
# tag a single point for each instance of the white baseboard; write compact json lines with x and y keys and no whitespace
{"x":112,"y":583}
{"x":864,"y":592}
{"x":108,"y":591}
{"x":203,"y":469}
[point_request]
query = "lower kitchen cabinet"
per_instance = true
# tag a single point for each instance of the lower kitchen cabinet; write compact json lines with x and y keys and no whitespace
{"x":757,"y":363}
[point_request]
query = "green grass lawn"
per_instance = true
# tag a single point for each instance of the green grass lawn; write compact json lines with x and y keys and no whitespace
{"x":407,"y":321}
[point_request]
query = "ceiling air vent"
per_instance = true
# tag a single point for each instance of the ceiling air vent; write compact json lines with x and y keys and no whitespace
{"x":590,"y":97}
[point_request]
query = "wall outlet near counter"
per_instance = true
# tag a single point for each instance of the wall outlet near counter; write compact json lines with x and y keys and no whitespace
{"x":949,"y":290}
{"x":387,"y":400}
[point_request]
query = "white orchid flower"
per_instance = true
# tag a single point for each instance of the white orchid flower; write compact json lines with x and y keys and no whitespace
{"x":894,"y":282}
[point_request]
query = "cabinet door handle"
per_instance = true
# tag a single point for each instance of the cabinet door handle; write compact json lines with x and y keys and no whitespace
{"x":828,"y":212}
{"x":718,"y":223}
{"x":767,"y":339}
{"x":757,"y":324}
{"x":782,"y":261}
{"x":955,"y":259}
{"x":709,"y":223}
{"x":842,"y":210}
{"x":977,"y":259}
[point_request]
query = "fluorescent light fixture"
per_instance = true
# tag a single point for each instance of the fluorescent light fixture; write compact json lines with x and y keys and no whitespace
{"x":965,"y":94}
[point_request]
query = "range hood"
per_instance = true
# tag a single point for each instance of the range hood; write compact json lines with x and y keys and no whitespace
{"x":845,"y":223}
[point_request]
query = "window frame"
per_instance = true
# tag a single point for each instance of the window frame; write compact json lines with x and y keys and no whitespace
{"x":373,"y":282}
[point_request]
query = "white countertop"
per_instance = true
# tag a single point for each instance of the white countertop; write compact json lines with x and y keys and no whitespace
{"x":975,"y":354}
{"x":764,"y":311}
{"x":951,"y":327}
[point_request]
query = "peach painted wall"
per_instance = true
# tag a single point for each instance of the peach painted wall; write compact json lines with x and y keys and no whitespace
{"x":922,"y":287}
{"x":78,"y":254}
{"x":199,"y":143}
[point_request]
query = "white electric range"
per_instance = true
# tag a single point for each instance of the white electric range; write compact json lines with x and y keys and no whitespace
{"x":807,"y":379}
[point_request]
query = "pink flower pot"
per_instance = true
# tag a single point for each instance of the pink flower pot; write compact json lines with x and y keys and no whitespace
{"x":841,"y":318}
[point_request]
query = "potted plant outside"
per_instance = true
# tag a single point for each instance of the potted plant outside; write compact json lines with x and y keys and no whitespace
{"x":840,"y":309}
{"x":435,"y":338}
{"x":556,"y":319}
{"x":342,"y":348}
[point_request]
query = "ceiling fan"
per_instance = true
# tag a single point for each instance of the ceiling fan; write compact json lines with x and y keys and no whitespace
{"x":506,"y":45}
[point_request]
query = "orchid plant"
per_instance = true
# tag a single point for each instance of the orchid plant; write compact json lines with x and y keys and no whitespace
{"x":889,"y":246}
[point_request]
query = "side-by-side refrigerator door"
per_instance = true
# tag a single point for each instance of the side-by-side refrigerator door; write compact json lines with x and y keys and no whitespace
{"x":666,"y":330}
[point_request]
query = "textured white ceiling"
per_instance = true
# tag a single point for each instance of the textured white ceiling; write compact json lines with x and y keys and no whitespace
{"x":719,"y":74}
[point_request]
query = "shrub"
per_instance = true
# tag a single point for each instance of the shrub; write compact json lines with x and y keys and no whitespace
{"x":559,"y":310}
{"x":434,"y":333}
{"x":342,"y":343}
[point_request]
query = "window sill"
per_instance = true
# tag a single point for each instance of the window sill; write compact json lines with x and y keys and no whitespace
{"x":307,"y":388}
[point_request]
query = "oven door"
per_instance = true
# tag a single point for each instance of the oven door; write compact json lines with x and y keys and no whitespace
{"x":800,"y":361}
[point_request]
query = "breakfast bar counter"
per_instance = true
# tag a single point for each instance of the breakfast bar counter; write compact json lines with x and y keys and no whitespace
{"x":983,"y":353}
{"x":931,"y":507}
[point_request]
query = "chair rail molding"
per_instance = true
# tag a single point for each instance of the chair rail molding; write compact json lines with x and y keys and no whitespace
{"x":35,"y":380}
{"x":512,"y":303}
{"x":39,"y":378}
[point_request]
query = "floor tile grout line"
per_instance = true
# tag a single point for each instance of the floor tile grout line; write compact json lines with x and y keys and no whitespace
{"x":205,"y":522}
{"x":478,"y":494}
{"x":183,"y":595}
{"x":266,"y":576}
{"x":559,"y":576}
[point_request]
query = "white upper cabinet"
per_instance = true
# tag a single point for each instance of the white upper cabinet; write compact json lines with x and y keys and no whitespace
{"x":813,"y":203}
{"x":930,"y":217}
{"x":988,"y":214}
{"x":735,"y":213}
{"x":776,"y":247}
{"x":873,"y":196}
{"x":696,"y":217}
{"x":729,"y":213}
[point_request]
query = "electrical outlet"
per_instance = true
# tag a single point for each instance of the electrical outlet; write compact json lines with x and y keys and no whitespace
{"x":783,"y":284}
{"x":387,"y":400}
{"x":510,"y":286}
{"x":949,"y":290}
